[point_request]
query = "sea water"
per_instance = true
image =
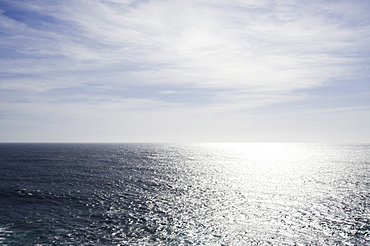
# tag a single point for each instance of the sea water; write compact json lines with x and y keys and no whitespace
{"x":184,"y":194}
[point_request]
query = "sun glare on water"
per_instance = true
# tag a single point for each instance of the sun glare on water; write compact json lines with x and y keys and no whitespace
{"x":188,"y":194}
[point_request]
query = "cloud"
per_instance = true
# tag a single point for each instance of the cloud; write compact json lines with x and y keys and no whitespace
{"x":195,"y":57}
{"x":200,"y":43}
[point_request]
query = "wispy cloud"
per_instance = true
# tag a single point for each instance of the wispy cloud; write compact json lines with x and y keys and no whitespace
{"x":226,"y":56}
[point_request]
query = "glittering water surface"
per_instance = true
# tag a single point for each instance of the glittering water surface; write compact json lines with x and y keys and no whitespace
{"x":190,"y":194}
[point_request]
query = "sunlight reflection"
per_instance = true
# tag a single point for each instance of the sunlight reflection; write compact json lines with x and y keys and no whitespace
{"x":267,"y":185}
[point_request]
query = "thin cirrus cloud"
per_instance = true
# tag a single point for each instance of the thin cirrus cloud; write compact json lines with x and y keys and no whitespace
{"x":206,"y":58}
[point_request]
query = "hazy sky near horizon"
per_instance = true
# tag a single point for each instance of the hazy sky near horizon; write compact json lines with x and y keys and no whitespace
{"x":189,"y":70}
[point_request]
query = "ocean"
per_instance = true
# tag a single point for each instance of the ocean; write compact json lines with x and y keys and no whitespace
{"x":184,"y":194}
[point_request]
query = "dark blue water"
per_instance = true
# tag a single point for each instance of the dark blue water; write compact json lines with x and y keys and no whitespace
{"x":190,"y":194}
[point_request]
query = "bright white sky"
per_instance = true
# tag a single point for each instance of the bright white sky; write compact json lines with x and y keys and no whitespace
{"x":184,"y":70}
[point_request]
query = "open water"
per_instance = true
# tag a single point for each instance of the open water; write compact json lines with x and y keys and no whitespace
{"x":184,"y":194}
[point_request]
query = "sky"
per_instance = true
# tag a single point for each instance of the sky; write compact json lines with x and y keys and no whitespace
{"x":185,"y":71}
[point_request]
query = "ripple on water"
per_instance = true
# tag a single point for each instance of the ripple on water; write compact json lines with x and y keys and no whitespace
{"x":245,"y":194}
